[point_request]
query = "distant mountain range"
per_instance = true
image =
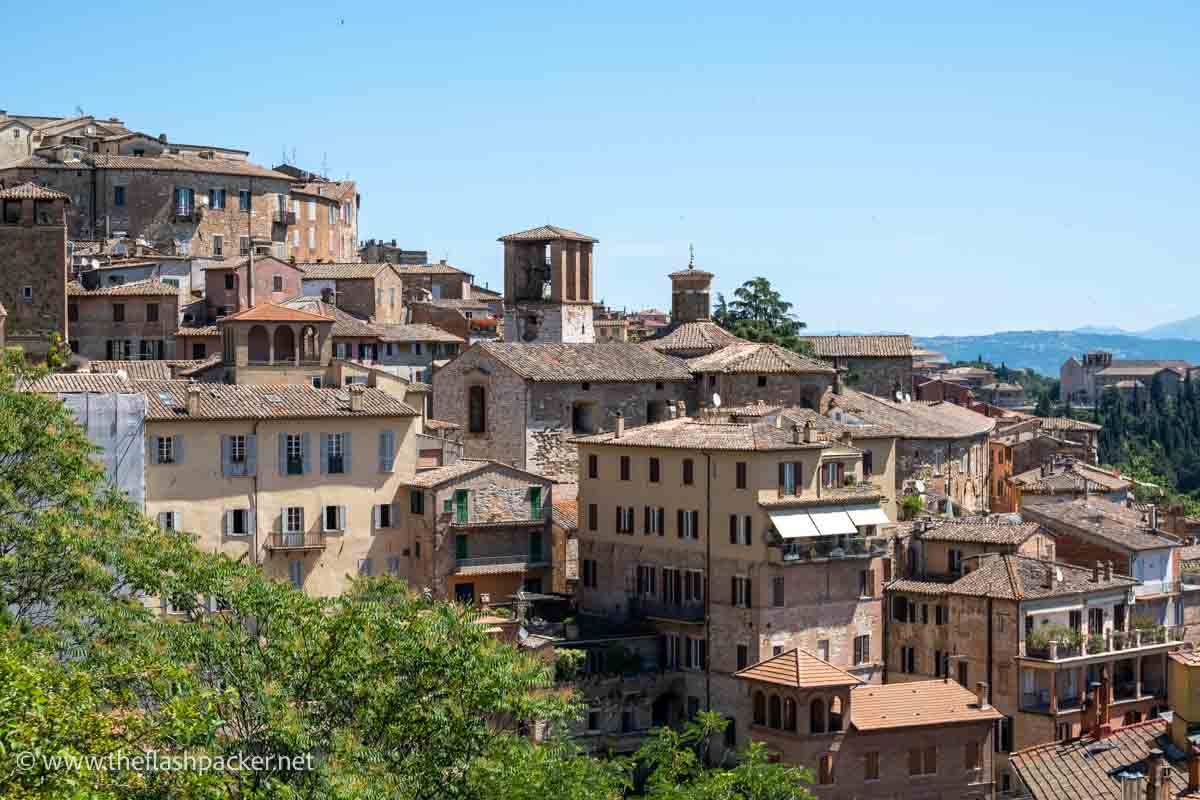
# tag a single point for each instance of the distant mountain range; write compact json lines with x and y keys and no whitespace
{"x":1045,"y":351}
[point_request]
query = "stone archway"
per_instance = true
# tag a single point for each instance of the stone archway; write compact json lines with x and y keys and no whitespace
{"x":285,"y":344}
{"x":258,"y":344}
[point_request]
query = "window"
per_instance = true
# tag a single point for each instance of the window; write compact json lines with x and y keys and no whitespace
{"x":185,"y":200}
{"x":335,"y":518}
{"x":462,"y":506}
{"x":871,"y":766}
{"x":963,"y":670}
{"x":646,"y":583}
{"x":908,"y":660}
{"x":477,"y":409}
{"x":72,"y":312}
{"x":416,"y":502}
{"x":825,"y":770}
{"x":697,"y":655}
{"x":740,"y":596}
{"x":593,"y":517}
{"x":218,"y":249}
{"x":868,"y":463}
{"x":244,"y":245}
{"x":294,"y":454}
{"x":866,"y":583}
{"x":152,"y":312}
{"x":593,"y":466}
{"x":687,"y":524}
{"x":237,"y":449}
{"x":244,"y":200}
{"x":335,"y":453}
{"x":922,"y":761}
{"x":625,"y":468}
{"x":166,"y":449}
{"x":364,"y":567}
{"x":118,"y":195}
{"x":237,"y":522}
{"x":777,"y":591}
{"x":862,"y":649}
{"x":653,"y":470}
{"x":688,"y":472}
{"x":743,"y":656}
{"x":315,"y":380}
{"x":383,"y":515}
{"x":312,"y":238}
{"x":393,"y":566}
{"x":593,"y":719}
{"x":789,"y":477}
{"x":27,"y":294}
{"x":277,"y":283}
{"x":833,"y":474}
{"x":293,"y":519}
{"x":740,"y":472}
{"x":941,"y":615}
{"x":624,"y":519}
{"x":216,"y":198}
{"x":168,"y":520}
{"x":1096,"y":621}
{"x":312,"y":209}
{"x":296,"y":572}
{"x":940,"y":664}
{"x":652,"y":519}
{"x":118,"y":312}
{"x":972,"y":756}
{"x":954,"y":561}
{"x":589,"y":572}
{"x":332,"y":214}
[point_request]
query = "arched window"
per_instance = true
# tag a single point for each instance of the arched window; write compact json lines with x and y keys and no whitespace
{"x":816,"y":716}
{"x":760,"y":708}
{"x":835,"y":715}
{"x":774,"y":709}
{"x":477,"y":409}
{"x":789,"y":714}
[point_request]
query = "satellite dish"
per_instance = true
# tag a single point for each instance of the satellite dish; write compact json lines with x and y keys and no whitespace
{"x":716,"y":401}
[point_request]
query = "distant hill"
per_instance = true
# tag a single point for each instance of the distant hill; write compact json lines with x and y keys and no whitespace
{"x":1179,"y":329}
{"x":1045,"y":351}
{"x":1108,"y":330}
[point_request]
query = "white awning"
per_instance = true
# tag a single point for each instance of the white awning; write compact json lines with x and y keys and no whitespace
{"x":794,"y":524}
{"x":1055,"y":609}
{"x":832,"y":522}
{"x":867,"y":515}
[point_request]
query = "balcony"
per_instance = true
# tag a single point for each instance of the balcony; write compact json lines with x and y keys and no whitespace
{"x":1147,"y":589}
{"x":654,"y":608}
{"x":829,"y":548}
{"x":1111,"y":643}
{"x":296,"y":541}
{"x":186,"y":214}
{"x":284,"y":218}
{"x":516,"y":562}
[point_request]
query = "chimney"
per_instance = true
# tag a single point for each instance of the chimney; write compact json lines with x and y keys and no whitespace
{"x":327,"y":295}
{"x":796,"y":438}
{"x":1107,"y":571}
{"x":680,"y":408}
{"x":1153,"y":516}
{"x":619,"y":430}
{"x":1157,"y":777}
{"x":1048,"y":576}
{"x":356,"y":397}
{"x":837,"y":382}
{"x":193,"y":400}
{"x":1096,"y":572}
{"x":809,"y":431}
{"x":981,"y":694}
{"x":1193,"y":768}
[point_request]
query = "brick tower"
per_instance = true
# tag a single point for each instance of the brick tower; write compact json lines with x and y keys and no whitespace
{"x":690,"y":292}
{"x":548,"y":286}
{"x":33,"y":250}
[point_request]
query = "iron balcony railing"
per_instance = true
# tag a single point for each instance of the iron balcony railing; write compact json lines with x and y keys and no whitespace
{"x":1111,"y":642}
{"x":644,"y":606}
{"x":285,"y":218}
{"x":304,"y":540}
{"x":833,"y":547}
{"x":520,"y":559}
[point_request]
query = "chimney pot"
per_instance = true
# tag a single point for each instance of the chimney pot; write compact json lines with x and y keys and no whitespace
{"x":680,"y":408}
{"x":1048,"y":579}
{"x":620,"y":426}
{"x":981,"y":692}
{"x":1193,"y":767}
{"x":809,"y":431}
{"x":1108,"y":570}
{"x":356,"y":397}
{"x":1096,"y":572}
{"x":796,"y":432}
{"x":193,"y":400}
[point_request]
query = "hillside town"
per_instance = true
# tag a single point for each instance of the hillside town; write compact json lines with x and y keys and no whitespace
{"x":886,"y":569}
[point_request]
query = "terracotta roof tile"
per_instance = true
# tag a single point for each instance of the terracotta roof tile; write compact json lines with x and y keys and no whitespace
{"x":892,"y":346}
{"x":171,"y":163}
{"x":1070,"y":477}
{"x":797,"y":669}
{"x":690,"y":433}
{"x":416,"y":332}
{"x":193,"y":330}
{"x":1098,"y":517}
{"x":612,"y":362}
{"x":345,"y":324}
{"x":918,"y":703}
{"x":547,"y":233}
{"x":150,"y":287}
{"x":82,"y":382}
{"x":916,"y":419}
{"x":350,"y":270}
{"x":273,"y":312}
{"x":986,"y":532}
{"x":1013,"y":577}
{"x":565,"y":514}
{"x":31,"y":191}
{"x":463,"y":468}
{"x":1065,"y":424}
{"x":167,"y":400}
{"x":440,"y":268}
{"x":148,"y":370}
{"x":692,"y":338}
{"x":757,"y":358}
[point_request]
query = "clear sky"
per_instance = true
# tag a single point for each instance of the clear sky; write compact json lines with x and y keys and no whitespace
{"x":923,"y":167}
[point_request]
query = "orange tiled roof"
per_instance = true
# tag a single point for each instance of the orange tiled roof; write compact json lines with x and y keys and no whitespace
{"x":798,"y":669}
{"x":31,"y":191}
{"x":892,"y":346}
{"x":273,"y":312}
{"x":903,"y":705}
{"x":547,"y":233}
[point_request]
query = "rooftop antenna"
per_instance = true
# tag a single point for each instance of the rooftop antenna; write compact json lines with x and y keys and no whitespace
{"x":79,"y":111}
{"x":293,"y":161}
{"x":691,"y":256}
{"x":324,"y":165}
{"x":285,"y":160}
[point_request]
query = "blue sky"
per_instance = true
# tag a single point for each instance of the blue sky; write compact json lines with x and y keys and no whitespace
{"x":934,"y":169}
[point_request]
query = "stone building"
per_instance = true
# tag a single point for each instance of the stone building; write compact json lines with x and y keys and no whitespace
{"x":134,"y":320}
{"x":440,"y":281}
{"x":942,"y":453}
{"x":292,"y":478}
{"x":548,"y":286}
{"x":521,"y":404}
{"x":323,"y":217}
{"x":1062,"y":476}
{"x":475,"y":320}
{"x":748,"y":372}
{"x":34,"y":265}
{"x":1084,"y":379}
{"x":879,"y":365}
{"x":1053,"y":640}
{"x":729,"y":542}
{"x":273,"y":344}
{"x":375,"y":250}
{"x":486,"y":531}
{"x":932,"y":740}
{"x":374,"y":292}
{"x":690,"y":332}
{"x":199,"y":204}
{"x":234,"y":286}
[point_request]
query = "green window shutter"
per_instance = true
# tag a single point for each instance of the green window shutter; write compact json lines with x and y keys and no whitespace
{"x":460,"y":506}
{"x":535,"y":502}
{"x":460,"y":546}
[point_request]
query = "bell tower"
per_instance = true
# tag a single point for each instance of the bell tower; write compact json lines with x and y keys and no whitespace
{"x":548,"y":286}
{"x":691,"y":291}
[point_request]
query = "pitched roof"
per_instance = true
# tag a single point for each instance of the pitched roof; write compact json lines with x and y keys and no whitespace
{"x":826,"y":427}
{"x":197,"y":330}
{"x":692,"y":338}
{"x":167,"y":400}
{"x":274,"y":312}
{"x":82,"y":382}
{"x":1014,"y":577}
{"x":757,"y":358}
{"x":718,"y":433}
{"x":1090,"y":768}
{"x":149,"y":370}
{"x":172,"y":163}
{"x":148,"y":287}
{"x":547,"y":233}
{"x":464,"y":468}
{"x":1067,"y":424}
{"x":565,"y":514}
{"x":1070,"y":477}
{"x":890,"y":346}
{"x":349,"y":270}
{"x":441,"y":268}
{"x":797,"y":669}
{"x":916,"y":703}
{"x":915,"y":419}
{"x":439,"y":424}
{"x":982,"y":532}
{"x":345,"y":324}
{"x":1142,"y":371}
{"x":416,"y":332}
{"x":31,"y":191}
{"x":610,"y":362}
{"x":1115,"y":523}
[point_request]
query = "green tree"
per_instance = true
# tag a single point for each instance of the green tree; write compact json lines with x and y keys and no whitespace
{"x":758,"y":313}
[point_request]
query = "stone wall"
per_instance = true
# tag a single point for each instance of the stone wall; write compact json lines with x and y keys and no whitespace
{"x":532,"y":322}
{"x":34,"y":256}
{"x":877,"y":376}
{"x":807,"y":391}
{"x":95,"y":326}
{"x":940,"y":463}
{"x":504,"y":437}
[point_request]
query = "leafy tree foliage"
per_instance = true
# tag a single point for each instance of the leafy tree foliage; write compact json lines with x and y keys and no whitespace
{"x":758,"y":313}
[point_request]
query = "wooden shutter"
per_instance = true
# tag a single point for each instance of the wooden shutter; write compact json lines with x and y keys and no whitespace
{"x":646,"y":520}
{"x":733,"y":528}
{"x":226,"y":463}
{"x":324,"y":454}
{"x":662,"y":515}
{"x":679,"y":522}
{"x":178,"y":448}
{"x":347,"y":453}
{"x":695,"y":524}
{"x":282,"y":454}
{"x":782,"y":476}
{"x":306,"y":452}
{"x":251,"y":454}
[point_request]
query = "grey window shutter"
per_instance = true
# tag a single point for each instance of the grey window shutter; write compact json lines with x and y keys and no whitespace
{"x":343,"y":521}
{"x":226,"y":464}
{"x":383,"y":451}
{"x":306,"y":451}
{"x":227,"y":523}
{"x":178,"y":448}
{"x":251,"y":455}
{"x":177,"y":520}
{"x":395,"y":518}
{"x":251,"y":521}
{"x":283,"y":454}
{"x":325,"y":518}
{"x":324,"y":453}
{"x":303,"y":528}
{"x":153,"y":448}
{"x":375,"y":517}
{"x":347,"y":457}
